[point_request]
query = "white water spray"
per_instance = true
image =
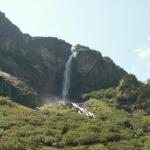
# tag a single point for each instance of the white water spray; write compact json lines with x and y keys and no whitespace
{"x":67,"y":75}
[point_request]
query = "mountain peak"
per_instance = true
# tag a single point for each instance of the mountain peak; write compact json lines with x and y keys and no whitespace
{"x":2,"y":14}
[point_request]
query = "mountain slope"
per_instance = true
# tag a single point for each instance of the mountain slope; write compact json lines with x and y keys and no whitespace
{"x":55,"y":127}
{"x":130,"y":95}
{"x":39,"y":63}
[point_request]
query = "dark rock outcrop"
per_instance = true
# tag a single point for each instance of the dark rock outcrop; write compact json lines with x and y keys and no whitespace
{"x":16,"y":89}
{"x":92,"y":71}
{"x":133,"y":96}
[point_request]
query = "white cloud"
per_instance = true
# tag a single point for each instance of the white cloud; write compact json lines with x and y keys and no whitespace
{"x":148,"y":38}
{"x":143,"y":52}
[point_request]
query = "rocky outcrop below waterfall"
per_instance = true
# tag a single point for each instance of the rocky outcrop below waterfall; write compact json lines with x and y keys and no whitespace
{"x":39,"y":63}
{"x":77,"y":107}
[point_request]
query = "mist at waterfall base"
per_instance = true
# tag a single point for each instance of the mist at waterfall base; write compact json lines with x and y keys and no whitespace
{"x":67,"y":75}
{"x":51,"y":99}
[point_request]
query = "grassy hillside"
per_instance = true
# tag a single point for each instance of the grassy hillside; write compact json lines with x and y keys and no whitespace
{"x":53,"y":127}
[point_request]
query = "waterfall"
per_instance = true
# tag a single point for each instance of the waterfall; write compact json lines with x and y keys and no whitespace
{"x":67,"y":75}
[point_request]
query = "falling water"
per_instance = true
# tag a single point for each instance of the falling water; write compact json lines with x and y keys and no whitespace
{"x":67,"y":75}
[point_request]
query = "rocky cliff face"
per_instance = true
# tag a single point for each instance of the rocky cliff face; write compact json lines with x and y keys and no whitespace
{"x":39,"y":63}
{"x":92,"y":71}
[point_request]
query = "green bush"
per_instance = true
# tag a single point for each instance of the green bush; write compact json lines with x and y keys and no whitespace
{"x":6,"y":101}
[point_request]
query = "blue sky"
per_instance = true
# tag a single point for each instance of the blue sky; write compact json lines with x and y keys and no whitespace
{"x":119,"y":29}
